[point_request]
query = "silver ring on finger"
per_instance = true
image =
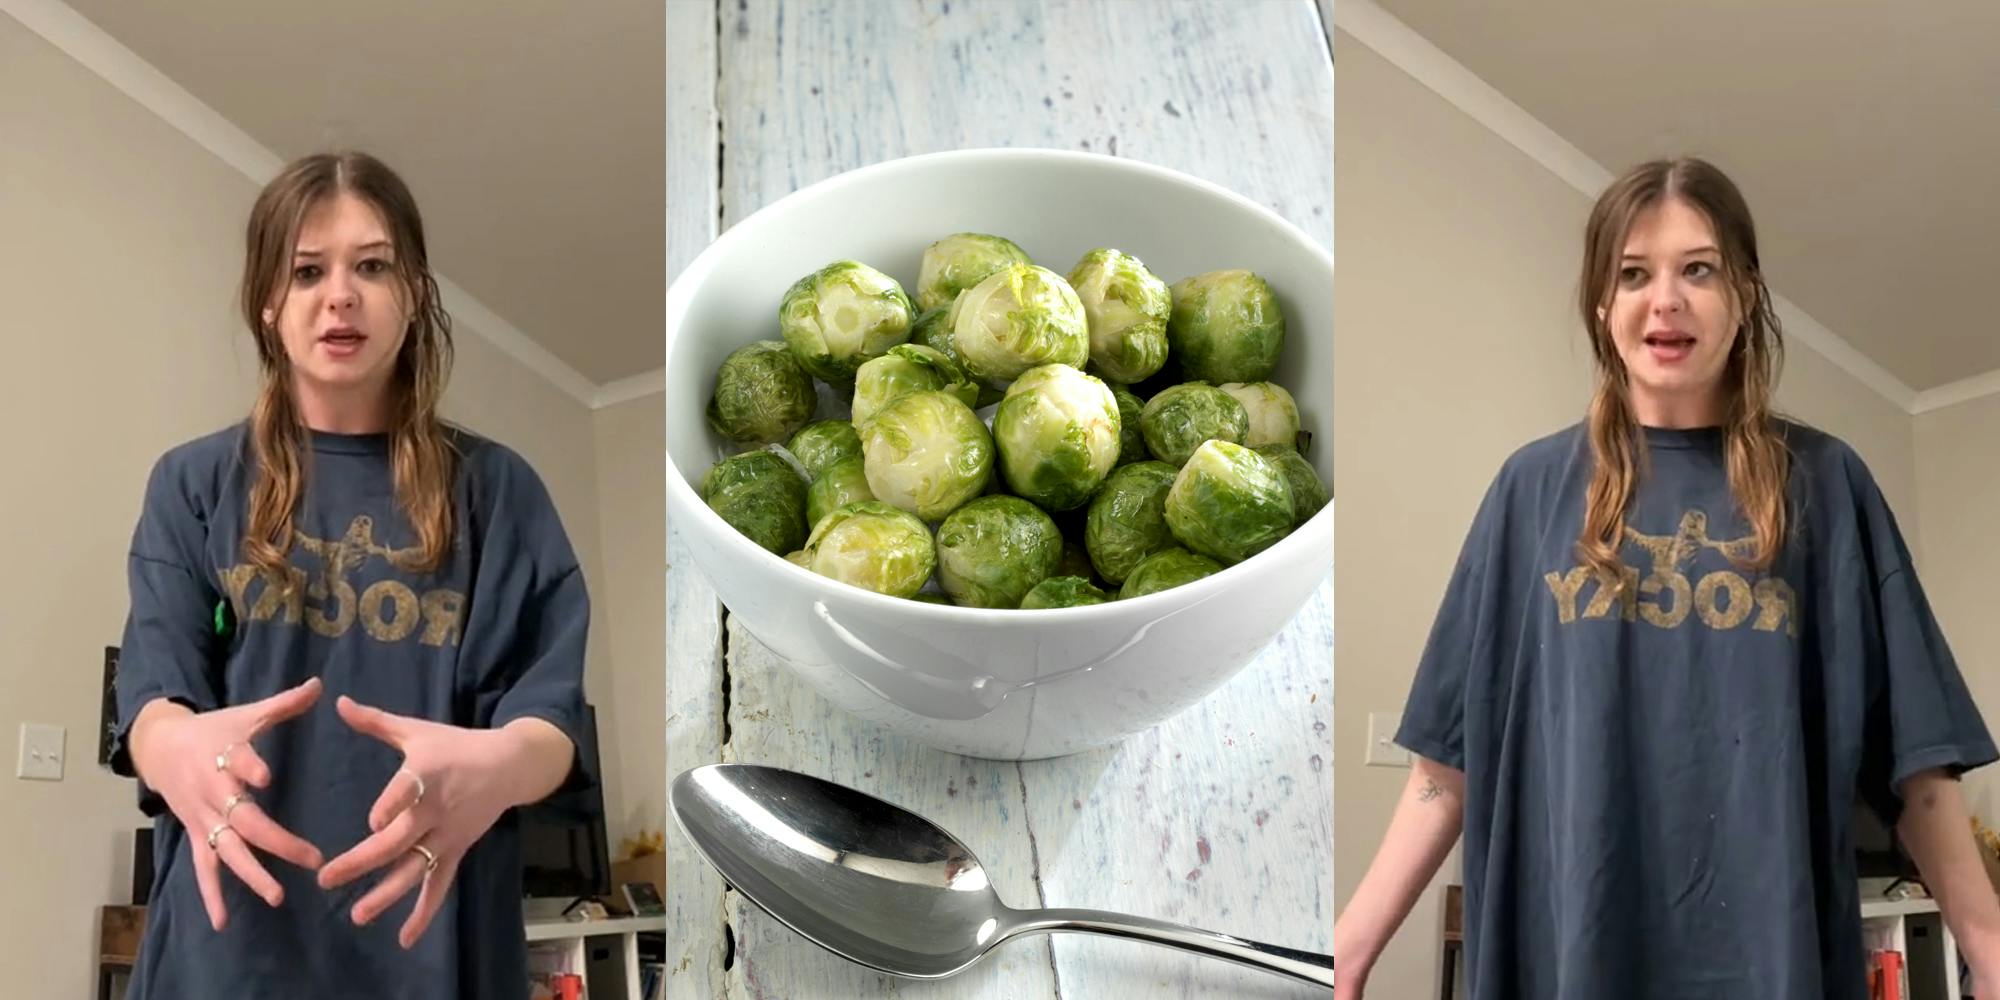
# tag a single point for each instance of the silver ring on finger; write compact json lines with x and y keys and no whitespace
{"x":215,"y":833}
{"x":222,"y":759}
{"x":229,"y":805}
{"x":430,"y":859}
{"x":419,"y":779}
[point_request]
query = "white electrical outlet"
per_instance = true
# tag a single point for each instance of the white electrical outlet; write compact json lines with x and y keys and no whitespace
{"x":41,"y":753}
{"x":1382,"y":748}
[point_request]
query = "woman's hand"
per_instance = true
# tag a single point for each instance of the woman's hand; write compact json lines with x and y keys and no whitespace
{"x":201,"y":763}
{"x":454,"y":784}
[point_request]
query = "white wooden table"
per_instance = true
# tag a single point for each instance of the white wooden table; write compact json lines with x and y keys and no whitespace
{"x":1221,"y":817}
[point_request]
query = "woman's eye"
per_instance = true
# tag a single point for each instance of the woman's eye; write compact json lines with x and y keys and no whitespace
{"x":305,"y":272}
{"x":1700,"y":269}
{"x":374,"y":265}
{"x":1631,"y":275}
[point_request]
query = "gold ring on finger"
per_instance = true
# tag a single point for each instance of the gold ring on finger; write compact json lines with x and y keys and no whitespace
{"x":430,"y":859}
{"x":216,"y":832}
{"x":222,"y":759}
{"x":229,"y":805}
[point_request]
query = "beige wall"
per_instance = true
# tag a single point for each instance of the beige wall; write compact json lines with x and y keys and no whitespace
{"x":1457,"y":257}
{"x":1958,"y":496}
{"x":632,"y":507}
{"x":122,"y":239}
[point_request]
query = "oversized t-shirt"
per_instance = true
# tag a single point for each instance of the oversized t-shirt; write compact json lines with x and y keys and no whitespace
{"x":1659,"y":782}
{"x":495,"y":634}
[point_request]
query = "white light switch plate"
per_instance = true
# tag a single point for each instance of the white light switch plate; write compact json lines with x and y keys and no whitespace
{"x":41,"y":753}
{"x":1382,"y":748}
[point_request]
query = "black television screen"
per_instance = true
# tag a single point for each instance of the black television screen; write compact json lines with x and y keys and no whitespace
{"x":564,"y":851}
{"x":1877,"y":851}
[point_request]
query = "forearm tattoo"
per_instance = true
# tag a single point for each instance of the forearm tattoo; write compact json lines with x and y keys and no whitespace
{"x":1430,"y":791}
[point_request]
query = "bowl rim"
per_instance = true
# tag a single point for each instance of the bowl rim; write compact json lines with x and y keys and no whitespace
{"x":681,"y":493}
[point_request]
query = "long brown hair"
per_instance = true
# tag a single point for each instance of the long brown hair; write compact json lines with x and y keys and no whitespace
{"x":420,"y":449}
{"x":1756,"y":456}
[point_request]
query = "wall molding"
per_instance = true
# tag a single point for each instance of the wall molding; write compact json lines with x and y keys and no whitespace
{"x":631,"y":387}
{"x":96,"y":50}
{"x":1371,"y":25}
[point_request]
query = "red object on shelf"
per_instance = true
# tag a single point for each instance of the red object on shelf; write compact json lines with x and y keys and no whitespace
{"x":569,"y":986}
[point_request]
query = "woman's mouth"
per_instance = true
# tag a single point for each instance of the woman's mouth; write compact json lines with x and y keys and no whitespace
{"x":342,"y":342}
{"x":1668,"y":347}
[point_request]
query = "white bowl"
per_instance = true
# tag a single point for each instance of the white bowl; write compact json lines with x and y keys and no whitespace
{"x":983,"y":682}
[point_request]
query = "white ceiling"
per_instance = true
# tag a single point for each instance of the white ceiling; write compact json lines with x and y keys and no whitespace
{"x":1866,"y":137}
{"x":531,"y":134}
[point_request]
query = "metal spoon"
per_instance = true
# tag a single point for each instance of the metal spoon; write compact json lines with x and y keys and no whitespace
{"x":883,"y":887}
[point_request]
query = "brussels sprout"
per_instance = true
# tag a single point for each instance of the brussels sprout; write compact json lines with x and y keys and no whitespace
{"x":927,"y":453}
{"x":1128,"y":519}
{"x":933,"y":330}
{"x":1226,"y":327}
{"x":761,"y":394}
{"x":992,"y":551}
{"x":1057,"y":432}
{"x":1274,"y":418}
{"x":842,"y":484}
{"x":929,"y":598}
{"x":1229,"y":503}
{"x":873,"y":546}
{"x":1165,"y":570}
{"x":1019,"y":317}
{"x":958,"y":262}
{"x":764,"y":468}
{"x":907,"y":368}
{"x":797,"y":557}
{"x":840,"y":316}
{"x":1063,"y":592}
{"x":760,"y":495}
{"x":1308,"y":493}
{"x":1075,"y":559}
{"x":1131,"y":440}
{"x":1127,"y":309}
{"x":1178,"y":420}
{"x":820,"y":444}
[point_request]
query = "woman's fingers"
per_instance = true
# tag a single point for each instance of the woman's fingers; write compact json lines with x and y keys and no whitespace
{"x":384,"y":846}
{"x":403,"y":876}
{"x":429,"y":899}
{"x":287,"y":704}
{"x":232,"y":850}
{"x":404,"y":790}
{"x":208,"y":877}
{"x":371,"y":721}
{"x":264,"y":833}
{"x":246,"y":765}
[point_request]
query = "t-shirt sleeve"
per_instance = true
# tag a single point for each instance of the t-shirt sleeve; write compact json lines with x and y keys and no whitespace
{"x":1920,"y":715}
{"x":1433,"y":721}
{"x":536,"y":618}
{"x":170,"y":648}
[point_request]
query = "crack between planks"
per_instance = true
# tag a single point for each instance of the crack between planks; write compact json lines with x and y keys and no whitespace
{"x":720,"y":209}
{"x":1035,"y":867}
{"x":722,"y":661}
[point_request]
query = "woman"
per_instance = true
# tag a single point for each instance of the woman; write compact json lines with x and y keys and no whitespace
{"x":1682,"y":637}
{"x":343,"y":541}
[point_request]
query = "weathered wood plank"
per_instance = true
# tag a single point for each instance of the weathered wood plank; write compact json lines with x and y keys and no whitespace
{"x":1238,"y":93}
{"x":776,"y":719}
{"x":691,"y":136}
{"x":695,"y":941}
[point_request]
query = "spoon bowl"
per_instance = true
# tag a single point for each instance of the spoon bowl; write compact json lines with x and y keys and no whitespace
{"x":885,"y":888}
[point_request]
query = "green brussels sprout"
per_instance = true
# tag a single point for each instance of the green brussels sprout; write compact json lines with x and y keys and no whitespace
{"x":1057,"y":431}
{"x":840,"y":316}
{"x":1128,"y":519}
{"x":960,"y":261}
{"x":992,"y":551}
{"x":1308,"y":493}
{"x":1165,"y":570}
{"x":760,"y":495}
{"x":1229,"y":503}
{"x":1226,"y":327}
{"x":907,"y":368}
{"x":1131,"y":440}
{"x":1075,"y":559}
{"x":1274,"y":418}
{"x":927,"y":453}
{"x":933,"y":330}
{"x":874,"y":546}
{"x":1063,"y":592}
{"x":822,"y":443}
{"x":1019,"y":317}
{"x":797,"y":557}
{"x":842,"y":484}
{"x":1127,"y":309}
{"x":761,"y":394}
{"x":929,"y":598}
{"x":1179,"y":419}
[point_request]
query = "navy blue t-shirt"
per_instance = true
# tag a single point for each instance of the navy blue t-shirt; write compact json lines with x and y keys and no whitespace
{"x":495,"y":634}
{"x":1659,"y":783}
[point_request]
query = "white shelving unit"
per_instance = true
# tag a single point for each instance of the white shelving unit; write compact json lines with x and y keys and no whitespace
{"x":1916,"y":928}
{"x":613,"y":979}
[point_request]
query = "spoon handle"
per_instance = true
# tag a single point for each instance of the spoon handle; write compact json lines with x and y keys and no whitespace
{"x":1308,"y":966}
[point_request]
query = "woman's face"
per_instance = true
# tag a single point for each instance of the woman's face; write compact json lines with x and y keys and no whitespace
{"x":346,"y":312}
{"x":1672,"y":315}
